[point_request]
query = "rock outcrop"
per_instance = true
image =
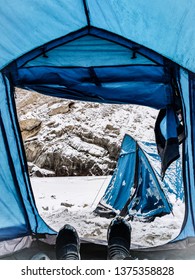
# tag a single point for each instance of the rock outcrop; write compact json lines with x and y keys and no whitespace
{"x":69,"y":138}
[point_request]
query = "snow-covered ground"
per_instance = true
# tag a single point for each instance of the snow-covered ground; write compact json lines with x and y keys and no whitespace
{"x":72,"y":200}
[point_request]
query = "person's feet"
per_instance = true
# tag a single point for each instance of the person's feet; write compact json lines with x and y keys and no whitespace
{"x":119,"y":239}
{"x":67,"y":244}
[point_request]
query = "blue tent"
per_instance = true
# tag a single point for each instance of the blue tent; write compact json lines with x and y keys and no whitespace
{"x":125,"y":52}
{"x":136,"y":189}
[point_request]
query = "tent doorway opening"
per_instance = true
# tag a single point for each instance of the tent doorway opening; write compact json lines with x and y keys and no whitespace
{"x":84,"y":138}
{"x":143,"y":76}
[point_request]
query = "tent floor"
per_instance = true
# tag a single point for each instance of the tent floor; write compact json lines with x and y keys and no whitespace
{"x":88,"y":251}
{"x":98,"y":251}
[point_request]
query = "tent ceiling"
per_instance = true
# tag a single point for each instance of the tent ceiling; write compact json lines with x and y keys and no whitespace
{"x":166,"y":27}
{"x":99,"y":67}
{"x":89,"y":51}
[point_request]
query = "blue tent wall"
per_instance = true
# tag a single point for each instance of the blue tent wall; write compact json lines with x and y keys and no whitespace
{"x":40,"y":20}
{"x":187,"y":83}
{"x":167,"y":27}
{"x":18,"y":215}
{"x":122,"y":181}
{"x":173,"y":180}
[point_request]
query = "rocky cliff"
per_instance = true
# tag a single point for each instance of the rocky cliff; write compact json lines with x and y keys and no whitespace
{"x":67,"y":138}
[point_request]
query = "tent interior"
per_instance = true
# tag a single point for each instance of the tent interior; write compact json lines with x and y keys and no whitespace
{"x":97,"y":65}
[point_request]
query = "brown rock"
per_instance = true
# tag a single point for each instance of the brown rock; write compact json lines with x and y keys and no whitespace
{"x":30,"y":127}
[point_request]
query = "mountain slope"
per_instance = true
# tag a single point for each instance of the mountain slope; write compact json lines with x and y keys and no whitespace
{"x":67,"y":138}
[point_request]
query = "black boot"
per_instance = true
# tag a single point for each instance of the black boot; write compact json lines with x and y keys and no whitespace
{"x":67,"y":244}
{"x":119,"y":239}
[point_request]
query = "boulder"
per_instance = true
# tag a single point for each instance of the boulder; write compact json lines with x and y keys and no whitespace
{"x":30,"y":127}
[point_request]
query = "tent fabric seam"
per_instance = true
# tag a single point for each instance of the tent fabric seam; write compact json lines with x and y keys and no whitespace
{"x":83,"y":32}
